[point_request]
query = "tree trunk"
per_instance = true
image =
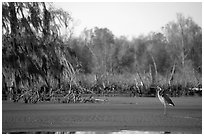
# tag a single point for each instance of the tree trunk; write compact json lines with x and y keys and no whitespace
{"x":182,"y":50}
{"x":154,"y":75}
{"x":140,"y":77}
{"x":172,"y":74}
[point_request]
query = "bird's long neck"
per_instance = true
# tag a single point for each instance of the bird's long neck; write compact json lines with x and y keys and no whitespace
{"x":160,"y":97}
{"x":158,"y":94}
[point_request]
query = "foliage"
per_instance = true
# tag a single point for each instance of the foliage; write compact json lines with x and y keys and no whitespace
{"x":32,"y":48}
{"x":37,"y":56}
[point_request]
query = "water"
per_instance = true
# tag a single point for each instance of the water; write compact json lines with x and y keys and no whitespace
{"x":89,"y":132}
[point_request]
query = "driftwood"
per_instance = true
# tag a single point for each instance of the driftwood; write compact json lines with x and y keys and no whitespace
{"x":94,"y":100}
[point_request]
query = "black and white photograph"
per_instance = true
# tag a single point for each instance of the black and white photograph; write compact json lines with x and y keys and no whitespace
{"x":101,"y":67}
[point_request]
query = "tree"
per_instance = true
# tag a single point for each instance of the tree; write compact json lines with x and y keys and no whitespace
{"x":181,"y":37}
{"x":32,"y":46}
{"x":183,"y":44}
{"x":99,"y":42}
{"x":128,"y":60}
{"x":120,"y":55}
{"x":157,"y":49}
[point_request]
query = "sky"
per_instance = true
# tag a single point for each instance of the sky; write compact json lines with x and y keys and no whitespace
{"x":129,"y":19}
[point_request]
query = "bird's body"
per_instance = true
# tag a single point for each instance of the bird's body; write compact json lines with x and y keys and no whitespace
{"x":164,"y":99}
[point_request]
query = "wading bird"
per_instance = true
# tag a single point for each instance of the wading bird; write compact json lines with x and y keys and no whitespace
{"x":164,"y":99}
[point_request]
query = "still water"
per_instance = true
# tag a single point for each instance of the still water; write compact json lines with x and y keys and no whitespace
{"x":90,"y":132}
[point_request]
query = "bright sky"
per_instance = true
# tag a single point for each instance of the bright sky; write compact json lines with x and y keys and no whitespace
{"x":129,"y":18}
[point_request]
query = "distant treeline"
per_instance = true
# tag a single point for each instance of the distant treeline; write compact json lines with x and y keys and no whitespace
{"x":35,"y":53}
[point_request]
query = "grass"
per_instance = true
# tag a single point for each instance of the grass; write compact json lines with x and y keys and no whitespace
{"x":183,"y":79}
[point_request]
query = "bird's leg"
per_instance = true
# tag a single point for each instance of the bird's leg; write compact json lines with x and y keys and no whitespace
{"x":164,"y":109}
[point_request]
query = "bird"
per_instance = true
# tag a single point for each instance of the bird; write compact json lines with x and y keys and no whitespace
{"x":164,"y":99}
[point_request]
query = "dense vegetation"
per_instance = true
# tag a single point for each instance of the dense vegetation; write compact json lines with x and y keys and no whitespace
{"x":39,"y":61}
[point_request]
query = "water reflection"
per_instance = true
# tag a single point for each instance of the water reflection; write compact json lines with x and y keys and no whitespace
{"x":89,"y":132}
